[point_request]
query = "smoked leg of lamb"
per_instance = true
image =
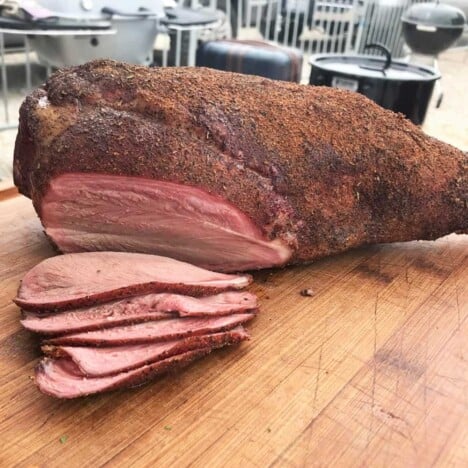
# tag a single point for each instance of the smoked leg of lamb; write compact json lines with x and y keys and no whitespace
{"x":230,"y":172}
{"x":61,"y":378}
{"x":138,"y":309}
{"x":69,"y":281}
{"x":98,"y":362}
{"x":149,"y":332}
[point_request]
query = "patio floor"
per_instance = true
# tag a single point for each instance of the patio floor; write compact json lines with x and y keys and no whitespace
{"x":448,"y":123}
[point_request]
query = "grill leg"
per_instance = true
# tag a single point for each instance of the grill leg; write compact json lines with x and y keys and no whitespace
{"x":192,"y":48}
{"x":178,"y":47}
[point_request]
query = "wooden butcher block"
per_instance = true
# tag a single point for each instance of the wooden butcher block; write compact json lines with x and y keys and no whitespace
{"x":371,"y":370}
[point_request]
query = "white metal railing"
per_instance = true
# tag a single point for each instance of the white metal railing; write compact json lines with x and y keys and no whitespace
{"x":317,"y":26}
{"x":380,"y":22}
{"x":313,"y":26}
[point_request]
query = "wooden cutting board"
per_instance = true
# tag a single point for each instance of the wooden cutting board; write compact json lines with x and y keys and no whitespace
{"x":370,"y":371}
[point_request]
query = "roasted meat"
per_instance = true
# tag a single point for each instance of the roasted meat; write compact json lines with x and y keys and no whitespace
{"x":116,"y":342}
{"x":99,"y":362}
{"x":62,"y":378}
{"x":155,"y":331}
{"x":138,"y":309}
{"x":230,"y":172}
{"x":69,"y":281}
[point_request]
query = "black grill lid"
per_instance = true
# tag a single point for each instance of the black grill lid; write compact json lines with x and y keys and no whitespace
{"x":359,"y":66}
{"x":438,"y":15}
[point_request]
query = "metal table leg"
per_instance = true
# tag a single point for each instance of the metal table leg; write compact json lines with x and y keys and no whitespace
{"x":192,"y":52}
{"x":4,"y":78}
{"x":27,"y":50}
{"x":178,"y":47}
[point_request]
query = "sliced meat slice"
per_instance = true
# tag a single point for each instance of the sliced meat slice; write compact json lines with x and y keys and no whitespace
{"x":150,"y":332}
{"x":87,"y":319}
{"x":61,"y":378}
{"x":99,"y":362}
{"x":219,"y":304}
{"x":138,"y":309}
{"x":74,"y":280}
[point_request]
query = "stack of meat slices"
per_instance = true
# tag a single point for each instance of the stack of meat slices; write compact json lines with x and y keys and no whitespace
{"x":115,"y":319}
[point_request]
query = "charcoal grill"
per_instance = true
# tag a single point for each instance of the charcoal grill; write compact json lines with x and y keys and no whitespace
{"x":428,"y":30}
{"x":431,"y":28}
{"x":134,"y":24}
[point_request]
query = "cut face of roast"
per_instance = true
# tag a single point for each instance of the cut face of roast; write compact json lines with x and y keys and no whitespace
{"x":138,"y":309}
{"x":81,"y":279}
{"x":98,"y":362}
{"x":155,"y":331}
{"x":88,"y":212}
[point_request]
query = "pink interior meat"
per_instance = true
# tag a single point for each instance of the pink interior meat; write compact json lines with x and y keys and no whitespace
{"x":138,"y":309}
{"x":62,"y":378}
{"x":98,"y":362}
{"x":87,"y":212}
{"x":148,"y":332}
{"x":69,"y":281}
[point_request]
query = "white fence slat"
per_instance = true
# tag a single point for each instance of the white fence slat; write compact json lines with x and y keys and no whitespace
{"x":335,"y":26}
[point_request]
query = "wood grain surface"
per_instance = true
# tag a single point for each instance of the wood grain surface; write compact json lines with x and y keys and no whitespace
{"x":7,"y":189}
{"x":370,"y":371}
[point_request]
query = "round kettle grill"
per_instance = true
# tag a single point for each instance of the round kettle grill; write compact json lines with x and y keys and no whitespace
{"x":431,"y":28}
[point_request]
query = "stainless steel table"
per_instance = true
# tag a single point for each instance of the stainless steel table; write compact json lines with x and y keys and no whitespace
{"x":34,"y":32}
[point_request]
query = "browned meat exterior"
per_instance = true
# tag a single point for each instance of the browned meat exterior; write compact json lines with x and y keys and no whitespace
{"x":138,"y":309}
{"x":99,"y":362}
{"x":69,"y":281}
{"x":298,"y":172}
{"x":151,"y":332}
{"x":61,"y":378}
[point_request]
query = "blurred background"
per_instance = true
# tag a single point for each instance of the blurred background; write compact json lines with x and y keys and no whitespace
{"x":410,"y":56}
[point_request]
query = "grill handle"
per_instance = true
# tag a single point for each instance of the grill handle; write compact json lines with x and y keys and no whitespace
{"x":143,"y":13}
{"x":386,"y":52}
